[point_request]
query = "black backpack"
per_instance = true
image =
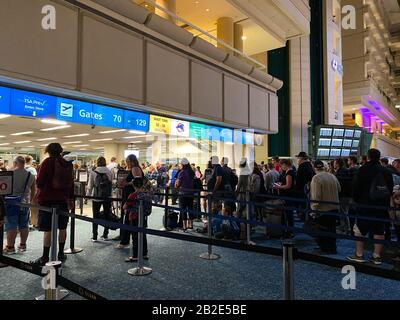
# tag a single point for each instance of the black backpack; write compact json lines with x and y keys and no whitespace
{"x":102,"y":186}
{"x":379,"y":190}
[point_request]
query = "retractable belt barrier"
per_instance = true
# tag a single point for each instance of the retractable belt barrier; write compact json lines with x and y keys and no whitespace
{"x":295,"y":254}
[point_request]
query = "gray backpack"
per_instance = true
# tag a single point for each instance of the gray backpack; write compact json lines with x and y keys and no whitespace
{"x":102,"y":186}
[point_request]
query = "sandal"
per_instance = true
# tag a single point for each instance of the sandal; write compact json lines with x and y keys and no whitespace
{"x":22,"y":248}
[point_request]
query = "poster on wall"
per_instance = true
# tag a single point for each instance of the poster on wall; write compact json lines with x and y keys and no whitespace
{"x":179,"y":128}
{"x":160,"y":124}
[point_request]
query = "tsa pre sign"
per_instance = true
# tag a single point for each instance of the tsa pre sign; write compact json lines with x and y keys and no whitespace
{"x":6,"y":183}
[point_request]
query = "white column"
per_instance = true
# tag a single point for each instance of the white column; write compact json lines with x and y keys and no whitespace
{"x":300,"y":94}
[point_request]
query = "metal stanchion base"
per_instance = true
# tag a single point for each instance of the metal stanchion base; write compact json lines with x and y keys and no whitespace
{"x":73,"y":251}
{"x":143,"y":271}
{"x":208,"y":256}
{"x":251,"y":243}
{"x":163,"y":229}
{"x":2,"y":265}
{"x":61,"y":294}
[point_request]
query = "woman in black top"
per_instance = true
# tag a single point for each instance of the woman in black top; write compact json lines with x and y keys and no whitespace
{"x":286,"y":189}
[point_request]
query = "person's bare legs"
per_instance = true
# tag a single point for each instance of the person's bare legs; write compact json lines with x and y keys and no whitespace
{"x":378,"y":248}
{"x":24,"y":235}
{"x":47,"y":239}
{"x":11,"y":235}
{"x":359,"y":248}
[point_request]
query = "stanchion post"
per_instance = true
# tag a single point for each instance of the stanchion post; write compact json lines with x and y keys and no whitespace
{"x":54,"y":229}
{"x":166,"y":207}
{"x":49,"y":282}
{"x":288,"y":269}
{"x":209,"y":255}
{"x":140,"y":270}
{"x":2,"y":265}
{"x":72,"y":249}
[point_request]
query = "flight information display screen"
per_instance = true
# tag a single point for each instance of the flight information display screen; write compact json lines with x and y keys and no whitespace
{"x":349,"y":133}
{"x":338,"y":132}
{"x":337,"y":142}
{"x":326,"y":132}
{"x":325,"y":142}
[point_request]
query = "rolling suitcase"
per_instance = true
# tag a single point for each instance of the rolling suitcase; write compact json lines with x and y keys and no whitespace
{"x":273,"y":215}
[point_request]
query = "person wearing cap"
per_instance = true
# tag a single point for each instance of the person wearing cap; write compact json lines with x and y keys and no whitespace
{"x":216,"y":180}
{"x":325,"y":187}
{"x":305,"y":173}
{"x":185,"y":184}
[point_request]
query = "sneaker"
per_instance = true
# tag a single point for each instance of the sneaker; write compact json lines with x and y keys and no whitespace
{"x":40,"y":262}
{"x":8,"y":250}
{"x":356,"y":258}
{"x":94,"y":239}
{"x":104,"y":238}
{"x":376,"y":261}
{"x":62,"y":257}
{"x":22,"y":248}
{"x":396,"y":259}
{"x":122,"y":246}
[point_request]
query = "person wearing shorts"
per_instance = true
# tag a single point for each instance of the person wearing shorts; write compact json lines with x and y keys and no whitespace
{"x":55,"y":184}
{"x":17,"y":218}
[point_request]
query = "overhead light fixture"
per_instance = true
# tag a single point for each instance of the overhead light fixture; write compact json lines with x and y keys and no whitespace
{"x":22,"y":142}
{"x":2,"y":136}
{"x":81,"y":145}
{"x":3,"y":116}
{"x":112,"y":131}
{"x":230,"y":143}
{"x":244,"y":38}
{"x":136,"y":132}
{"x":208,"y":10}
{"x":47,"y":139}
{"x":131,"y":137}
{"x":4,"y":144}
{"x":78,"y":135}
{"x":55,"y":128}
{"x":98,"y":140}
{"x":53,"y":121}
{"x":72,"y":142}
{"x":22,"y":133}
{"x":398,"y":106}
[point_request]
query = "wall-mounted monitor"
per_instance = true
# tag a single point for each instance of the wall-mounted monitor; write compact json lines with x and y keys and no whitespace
{"x":323,"y":152}
{"x":347,"y":143}
{"x":324,"y":142}
{"x":338,"y":132}
{"x":335,"y":152}
{"x":326,"y":132}
{"x":349,"y":133}
{"x":357,"y":134}
{"x":354,"y":152}
{"x":345,"y":152}
{"x":337,"y":142}
{"x":356,"y":143}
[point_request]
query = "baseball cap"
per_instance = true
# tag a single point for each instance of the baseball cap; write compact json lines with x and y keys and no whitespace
{"x":318,"y":164}
{"x":184,"y":161}
{"x":302,"y":155}
{"x":214,"y":160}
{"x":243,"y":161}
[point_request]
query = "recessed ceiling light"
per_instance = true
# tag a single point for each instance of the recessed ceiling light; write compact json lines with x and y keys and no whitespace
{"x":21,"y":142}
{"x":2,"y":136}
{"x":98,"y":140}
{"x":129,"y":137}
{"x":81,"y":145}
{"x":3,"y":116}
{"x":55,"y":128}
{"x":78,"y":135}
{"x":112,"y":131}
{"x":4,"y":144}
{"x":244,"y":38}
{"x":53,"y":121}
{"x":47,"y":139}
{"x":21,"y":133}
{"x":72,"y":142}
{"x":208,"y":10}
{"x":136,"y":132}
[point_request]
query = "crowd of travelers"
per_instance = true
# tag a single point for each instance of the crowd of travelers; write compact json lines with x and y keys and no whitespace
{"x":332,"y":197}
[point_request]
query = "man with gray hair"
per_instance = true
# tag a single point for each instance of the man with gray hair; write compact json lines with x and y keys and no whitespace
{"x":17,"y":218}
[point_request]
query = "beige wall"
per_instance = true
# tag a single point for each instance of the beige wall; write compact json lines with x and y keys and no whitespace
{"x":104,"y":59}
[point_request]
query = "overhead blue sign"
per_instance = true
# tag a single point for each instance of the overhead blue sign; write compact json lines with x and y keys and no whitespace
{"x":136,"y":121}
{"x":75,"y":111}
{"x":108,"y":116}
{"x":30,"y":104}
{"x":5,"y":94}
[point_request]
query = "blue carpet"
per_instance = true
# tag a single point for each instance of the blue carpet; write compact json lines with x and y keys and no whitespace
{"x":179,"y":273}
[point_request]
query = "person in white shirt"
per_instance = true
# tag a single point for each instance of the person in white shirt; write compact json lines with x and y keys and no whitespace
{"x":113,"y":164}
{"x":100,"y":186}
{"x":34,"y":212}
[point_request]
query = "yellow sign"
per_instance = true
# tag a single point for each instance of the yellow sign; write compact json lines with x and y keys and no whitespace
{"x":160,"y":124}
